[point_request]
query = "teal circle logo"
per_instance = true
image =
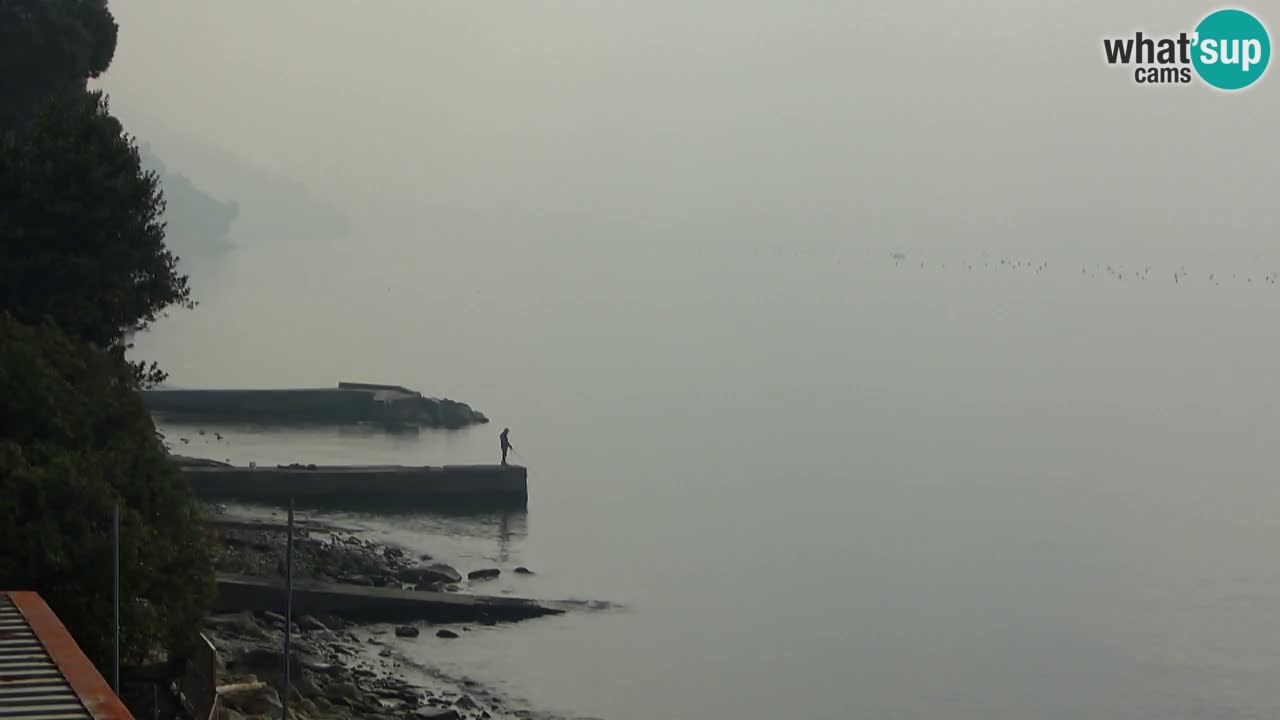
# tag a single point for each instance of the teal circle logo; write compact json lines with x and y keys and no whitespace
{"x":1232,"y":49}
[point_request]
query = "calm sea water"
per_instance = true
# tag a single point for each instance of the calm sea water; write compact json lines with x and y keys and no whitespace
{"x":813,"y":481}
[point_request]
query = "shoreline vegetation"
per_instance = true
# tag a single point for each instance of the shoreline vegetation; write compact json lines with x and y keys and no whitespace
{"x":86,"y":263}
{"x":340,"y":669}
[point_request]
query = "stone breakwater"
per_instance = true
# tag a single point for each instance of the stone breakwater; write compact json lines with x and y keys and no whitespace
{"x":346,"y":403}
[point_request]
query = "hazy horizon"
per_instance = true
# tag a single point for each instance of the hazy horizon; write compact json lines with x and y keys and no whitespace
{"x":1026,"y":471}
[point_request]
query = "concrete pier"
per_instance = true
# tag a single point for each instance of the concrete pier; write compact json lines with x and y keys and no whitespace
{"x":238,"y":592}
{"x":485,"y":485}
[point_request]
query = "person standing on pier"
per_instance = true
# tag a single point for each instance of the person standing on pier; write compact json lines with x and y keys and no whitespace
{"x":506,"y":445}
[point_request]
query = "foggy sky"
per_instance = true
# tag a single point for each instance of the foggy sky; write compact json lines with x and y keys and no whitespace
{"x":692,"y":159}
{"x":827,"y":119}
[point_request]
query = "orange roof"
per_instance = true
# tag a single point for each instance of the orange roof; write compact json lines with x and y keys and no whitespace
{"x":43,"y":673}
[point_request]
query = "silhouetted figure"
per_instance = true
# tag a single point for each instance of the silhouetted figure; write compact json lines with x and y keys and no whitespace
{"x":506,"y":445}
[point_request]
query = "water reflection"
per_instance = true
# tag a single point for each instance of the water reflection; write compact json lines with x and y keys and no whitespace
{"x":361,"y":444}
{"x":365,"y":429}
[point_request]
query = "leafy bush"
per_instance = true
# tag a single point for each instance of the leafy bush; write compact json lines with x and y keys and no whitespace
{"x":75,"y":436}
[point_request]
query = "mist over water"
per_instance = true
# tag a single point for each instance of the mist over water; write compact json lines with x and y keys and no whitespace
{"x":953,"y":497}
{"x":657,"y":243}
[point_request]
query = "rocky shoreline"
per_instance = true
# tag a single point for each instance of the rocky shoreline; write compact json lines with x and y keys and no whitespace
{"x":340,"y":670}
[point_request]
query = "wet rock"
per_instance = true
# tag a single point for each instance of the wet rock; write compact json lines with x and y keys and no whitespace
{"x":342,"y":691}
{"x":293,"y":628}
{"x":306,"y":685}
{"x":253,"y":699}
{"x":389,"y":693}
{"x":310,"y":624}
{"x":523,"y":571}
{"x":446,"y":633}
{"x":260,"y":659}
{"x":407,"y":631}
{"x":322,"y":668}
{"x":273,"y":616}
{"x":434,"y":574}
{"x":485,"y":574}
{"x":466,"y":703}
{"x":307,"y":650}
{"x":386,"y":652}
{"x":436,"y":714}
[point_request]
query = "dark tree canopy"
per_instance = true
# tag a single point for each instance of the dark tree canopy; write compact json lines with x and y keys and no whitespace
{"x":75,"y":436}
{"x":81,"y":237}
{"x":83,"y":262}
{"x":48,"y":47}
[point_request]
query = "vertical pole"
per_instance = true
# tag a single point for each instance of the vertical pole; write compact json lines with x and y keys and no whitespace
{"x":115,"y":595}
{"x":288,"y":609}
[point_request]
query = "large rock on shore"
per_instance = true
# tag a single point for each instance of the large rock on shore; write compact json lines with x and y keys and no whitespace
{"x":252,"y":699}
{"x":344,"y":691}
{"x":310,"y":624}
{"x":434,"y":574}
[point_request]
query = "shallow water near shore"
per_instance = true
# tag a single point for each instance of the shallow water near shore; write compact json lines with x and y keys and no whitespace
{"x":894,"y":493}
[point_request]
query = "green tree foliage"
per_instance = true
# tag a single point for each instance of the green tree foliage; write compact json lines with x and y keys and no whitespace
{"x":74,"y":437}
{"x":83,"y":262}
{"x":81,"y":237}
{"x":48,"y":47}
